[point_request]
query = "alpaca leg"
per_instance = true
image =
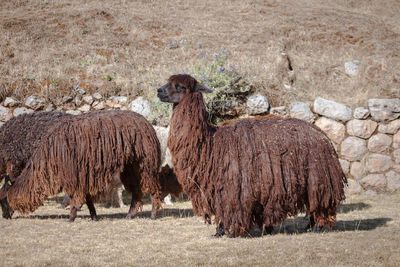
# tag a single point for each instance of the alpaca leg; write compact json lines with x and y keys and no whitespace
{"x":133,"y":209}
{"x":119,"y":196}
{"x":92,"y":209}
{"x":269,"y":230}
{"x":312,"y":226}
{"x":72,"y":213}
{"x":66,"y":201}
{"x":219,"y":231}
{"x":153,"y":210}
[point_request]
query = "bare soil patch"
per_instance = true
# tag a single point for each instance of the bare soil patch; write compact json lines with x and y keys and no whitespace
{"x":366,"y":234}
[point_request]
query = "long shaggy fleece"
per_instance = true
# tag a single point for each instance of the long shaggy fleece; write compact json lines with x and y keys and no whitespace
{"x":253,"y":172}
{"x":20,"y":136}
{"x":82,"y":155}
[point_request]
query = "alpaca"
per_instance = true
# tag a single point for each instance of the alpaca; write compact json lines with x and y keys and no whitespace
{"x":82,"y":155}
{"x":20,"y":136}
{"x":251,"y":172}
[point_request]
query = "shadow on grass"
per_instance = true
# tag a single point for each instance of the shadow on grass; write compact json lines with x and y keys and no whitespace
{"x":168,"y":212}
{"x":346,"y":208}
{"x":298,"y":225}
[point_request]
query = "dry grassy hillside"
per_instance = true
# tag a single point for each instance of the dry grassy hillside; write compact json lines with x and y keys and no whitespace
{"x":128,"y":47}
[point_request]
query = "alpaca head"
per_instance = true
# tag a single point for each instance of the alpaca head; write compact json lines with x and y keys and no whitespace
{"x":178,"y":86}
{"x":7,"y":211}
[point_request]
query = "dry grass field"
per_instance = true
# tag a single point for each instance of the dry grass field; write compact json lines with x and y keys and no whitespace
{"x":47,"y":47}
{"x":129,"y":47}
{"x":366,"y":234}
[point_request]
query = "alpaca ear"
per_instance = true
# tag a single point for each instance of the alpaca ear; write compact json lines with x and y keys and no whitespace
{"x":202,"y":89}
{"x":8,"y":182}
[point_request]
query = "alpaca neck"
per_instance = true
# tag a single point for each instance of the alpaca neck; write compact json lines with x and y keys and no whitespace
{"x":190,"y":135}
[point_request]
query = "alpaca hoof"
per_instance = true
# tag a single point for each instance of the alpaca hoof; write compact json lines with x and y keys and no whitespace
{"x":94,"y":219}
{"x":71,"y":220}
{"x":269,"y":230}
{"x":219,"y":231}
{"x":317,"y":229}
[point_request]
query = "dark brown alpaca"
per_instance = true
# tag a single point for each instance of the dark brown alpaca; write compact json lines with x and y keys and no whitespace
{"x":82,"y":155}
{"x":20,"y":136}
{"x":252,"y":172}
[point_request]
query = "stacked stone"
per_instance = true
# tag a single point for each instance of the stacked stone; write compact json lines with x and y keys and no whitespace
{"x":367,"y":141}
{"x":79,"y":104}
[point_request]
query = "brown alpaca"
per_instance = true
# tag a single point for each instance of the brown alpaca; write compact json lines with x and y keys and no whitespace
{"x":82,"y":155}
{"x":252,"y":172}
{"x":257,"y":117}
{"x":20,"y":136}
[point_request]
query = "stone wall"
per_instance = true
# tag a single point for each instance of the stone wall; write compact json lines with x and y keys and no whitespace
{"x":367,"y":139}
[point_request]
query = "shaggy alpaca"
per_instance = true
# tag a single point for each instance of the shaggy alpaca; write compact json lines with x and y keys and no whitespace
{"x":20,"y":136}
{"x":82,"y":155}
{"x":251,"y":172}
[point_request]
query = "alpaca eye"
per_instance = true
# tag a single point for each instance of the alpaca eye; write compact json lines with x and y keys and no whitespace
{"x":180,"y":88}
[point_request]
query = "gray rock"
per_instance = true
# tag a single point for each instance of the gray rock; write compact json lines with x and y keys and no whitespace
{"x":5,"y":113}
{"x":378,"y":163}
{"x":396,"y":140}
{"x":379,"y":143}
{"x":97,"y":96}
{"x":376,"y":182}
{"x":393,"y":181}
{"x":10,"y":102}
{"x":396,"y":156}
{"x":345,"y":165}
{"x":280,"y":111}
{"x":99,"y":105}
{"x":172,"y":45}
{"x":353,"y":188}
{"x":73,"y":112}
{"x":162,"y":134}
{"x":353,"y":148}
{"x":390,"y":128}
{"x":35,"y":103}
{"x":384,"y":109}
{"x":396,"y":168}
{"x":332,"y":109}
{"x":357,"y":170}
{"x":257,"y":104}
{"x":370,"y":193}
{"x":78,"y":100}
{"x":333,"y":129}
{"x":79,"y":90}
{"x":84,"y":108}
{"x":141,"y":106}
{"x":361,"y":113}
{"x":88,"y":99}
{"x":22,"y":110}
{"x":352,"y":67}
{"x":361,"y":128}
{"x":183,"y":42}
{"x":301,"y":111}
{"x":50,"y":107}
{"x":117,"y":101}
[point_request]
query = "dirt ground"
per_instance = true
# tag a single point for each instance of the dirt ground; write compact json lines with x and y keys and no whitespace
{"x":48,"y":47}
{"x":366,"y":234}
